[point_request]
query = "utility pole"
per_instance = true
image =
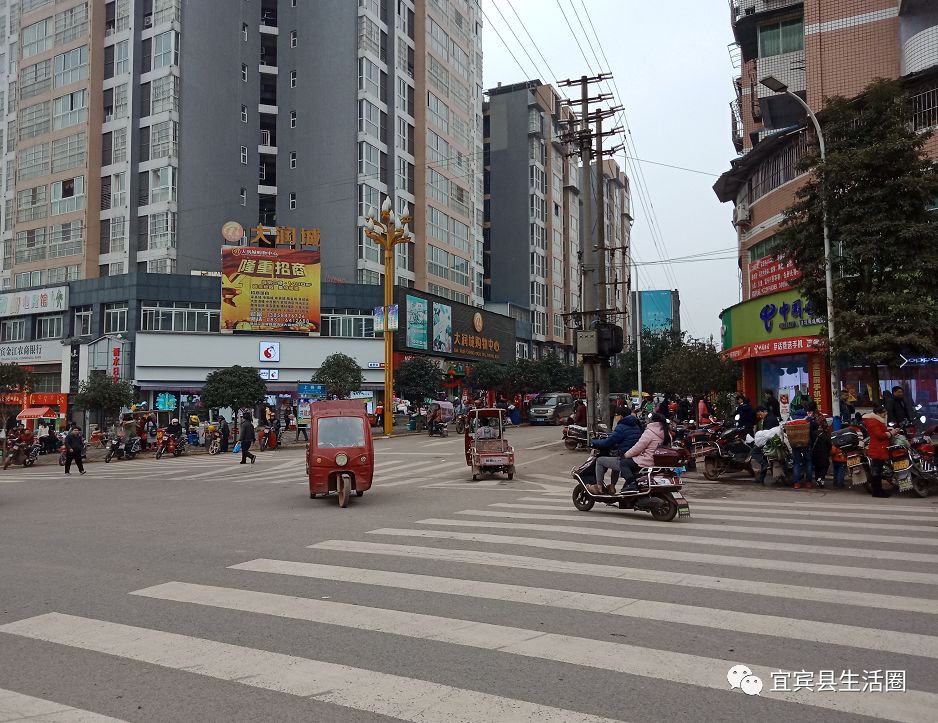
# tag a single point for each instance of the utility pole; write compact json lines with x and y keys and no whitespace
{"x":597,"y":335}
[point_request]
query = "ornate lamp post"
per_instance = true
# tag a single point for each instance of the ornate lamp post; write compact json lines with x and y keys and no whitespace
{"x":388,"y":233}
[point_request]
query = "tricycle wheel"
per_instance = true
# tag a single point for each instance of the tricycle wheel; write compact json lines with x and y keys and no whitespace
{"x":475,"y":478}
{"x":581,"y":500}
{"x":511,"y":473}
{"x":312,"y":495}
{"x":359,"y":493}
{"x":571,"y":444}
{"x":341,"y":486}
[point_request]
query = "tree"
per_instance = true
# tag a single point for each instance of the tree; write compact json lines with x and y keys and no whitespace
{"x":101,"y":393}
{"x":485,"y":375}
{"x":524,"y":376}
{"x":13,"y":380}
{"x":696,"y":368}
{"x":340,"y":374}
{"x":418,"y":379}
{"x":879,"y":184}
{"x":236,"y":387}
{"x":556,"y":375}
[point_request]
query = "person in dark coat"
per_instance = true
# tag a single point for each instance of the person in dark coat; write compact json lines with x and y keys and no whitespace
{"x":897,"y":408}
{"x":224,"y":434}
{"x":74,"y":446}
{"x":247,"y":438}
{"x":626,"y":433}
{"x":746,"y":415}
{"x":771,"y":404}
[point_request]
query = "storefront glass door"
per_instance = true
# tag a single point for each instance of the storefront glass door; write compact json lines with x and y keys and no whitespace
{"x":786,"y":376}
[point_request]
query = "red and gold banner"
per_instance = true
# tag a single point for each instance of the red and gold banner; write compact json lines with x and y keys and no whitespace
{"x":270,"y":289}
{"x":771,"y":274}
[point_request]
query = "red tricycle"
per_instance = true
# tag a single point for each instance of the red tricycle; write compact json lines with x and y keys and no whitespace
{"x":487,"y":450}
{"x":340,"y":453}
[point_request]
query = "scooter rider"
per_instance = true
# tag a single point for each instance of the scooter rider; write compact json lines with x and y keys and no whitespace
{"x":641,"y":454}
{"x":174,"y":429}
{"x":624,"y":436}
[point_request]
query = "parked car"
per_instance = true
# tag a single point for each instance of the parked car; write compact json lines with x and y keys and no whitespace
{"x":551,"y":408}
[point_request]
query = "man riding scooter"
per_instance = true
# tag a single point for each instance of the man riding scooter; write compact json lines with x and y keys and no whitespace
{"x":624,"y":436}
{"x":642,"y":454}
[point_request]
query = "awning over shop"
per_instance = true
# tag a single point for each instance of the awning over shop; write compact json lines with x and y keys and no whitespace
{"x":38,"y":413}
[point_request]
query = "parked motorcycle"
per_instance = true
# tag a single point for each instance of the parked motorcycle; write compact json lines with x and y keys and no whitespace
{"x":171,"y":445}
{"x":32,"y":453}
{"x":732,"y":453}
{"x":576,"y":436}
{"x":460,"y":423}
{"x":122,"y":450}
{"x":659,"y":488}
{"x":440,"y":429}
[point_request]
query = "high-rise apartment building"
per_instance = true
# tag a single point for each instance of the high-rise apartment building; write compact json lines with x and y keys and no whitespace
{"x":533,"y":230}
{"x":134,"y":129}
{"x":818,"y":50}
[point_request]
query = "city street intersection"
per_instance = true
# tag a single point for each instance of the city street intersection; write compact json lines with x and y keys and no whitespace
{"x":198,"y":589}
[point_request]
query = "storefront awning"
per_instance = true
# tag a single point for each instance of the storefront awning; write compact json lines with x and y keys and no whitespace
{"x":38,"y":413}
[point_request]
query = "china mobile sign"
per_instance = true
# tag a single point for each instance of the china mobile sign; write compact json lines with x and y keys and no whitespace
{"x":771,"y":274}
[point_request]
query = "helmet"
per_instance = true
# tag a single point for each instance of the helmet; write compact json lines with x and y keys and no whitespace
{"x":175,"y":421}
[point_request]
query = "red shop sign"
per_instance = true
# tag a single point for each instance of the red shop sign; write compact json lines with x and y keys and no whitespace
{"x":771,"y":274}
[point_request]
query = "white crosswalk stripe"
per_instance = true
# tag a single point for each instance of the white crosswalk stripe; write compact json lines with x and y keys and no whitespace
{"x":605,"y":557}
{"x":18,"y":707}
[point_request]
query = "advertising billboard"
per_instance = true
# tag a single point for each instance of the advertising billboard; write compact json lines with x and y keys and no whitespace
{"x":270,"y":289}
{"x":656,"y":310}
{"x":40,"y":301}
{"x":458,"y":331}
{"x":770,"y":275}
{"x":416,"y":329}
{"x":442,"y":328}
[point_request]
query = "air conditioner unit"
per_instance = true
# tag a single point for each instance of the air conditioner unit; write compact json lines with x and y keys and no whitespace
{"x":742,"y":214}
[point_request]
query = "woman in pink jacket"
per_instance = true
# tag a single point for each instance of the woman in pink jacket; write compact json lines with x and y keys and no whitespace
{"x":642,"y":454}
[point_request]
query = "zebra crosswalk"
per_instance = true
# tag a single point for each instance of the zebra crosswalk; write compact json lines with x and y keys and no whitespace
{"x":582,"y":602}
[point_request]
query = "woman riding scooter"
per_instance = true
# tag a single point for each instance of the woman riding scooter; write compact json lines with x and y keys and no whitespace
{"x":656,"y":435}
{"x":625,"y":435}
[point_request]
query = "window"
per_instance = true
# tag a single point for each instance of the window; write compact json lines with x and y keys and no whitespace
{"x":119,"y":150}
{"x":13,"y":330}
{"x":244,"y":114}
{"x":26,"y":279}
{"x":37,"y":38}
{"x":163,"y":139}
{"x":162,"y":184}
{"x":293,"y":35}
{"x":244,"y":155}
{"x":292,"y":78}
{"x":49,"y":327}
{"x":444,"y":265}
{"x":121,"y":58}
{"x":68,"y":195}
{"x":437,"y":150}
{"x":351,"y":327}
{"x":30,"y":245}
{"x":82,"y":321}
{"x":178,"y":316}
{"x":293,"y":119}
{"x":369,"y":200}
{"x":292,"y":159}
{"x":244,"y":73}
{"x":115,"y":316}
{"x":162,"y":230}
{"x":369,"y":160}
{"x":47,"y":383}
{"x":244,"y":31}
{"x":786,"y":36}
{"x":244,"y":196}
{"x":71,"y":23}
{"x":68,"y":152}
{"x":35,"y":79}
{"x":70,"y":109}
{"x":369,"y":119}
{"x":66,"y":239}
{"x":164,"y":94}
{"x":369,"y":77}
{"x":437,"y":112}
{"x":437,"y":224}
{"x":164,"y":50}
{"x":113,"y":234}
{"x":292,"y":201}
{"x":32,"y":162}
{"x":34,"y":120}
{"x":72,"y":66}
{"x":31,"y":204}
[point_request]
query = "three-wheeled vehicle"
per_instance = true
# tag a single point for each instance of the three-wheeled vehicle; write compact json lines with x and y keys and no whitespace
{"x":340,"y":453}
{"x":487,"y":450}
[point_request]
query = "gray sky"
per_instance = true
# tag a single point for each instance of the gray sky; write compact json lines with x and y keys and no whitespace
{"x":673,"y":71}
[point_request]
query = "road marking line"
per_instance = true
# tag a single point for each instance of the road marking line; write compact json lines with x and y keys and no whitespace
{"x":541,"y":446}
{"x":395,"y":696}
{"x":617,"y":516}
{"x":768,"y":513}
{"x":797,"y":567}
{"x":775,"y":520}
{"x":667,"y":665}
{"x":782,"y":627}
{"x":663,"y":577}
{"x":18,"y":707}
{"x":906,"y":509}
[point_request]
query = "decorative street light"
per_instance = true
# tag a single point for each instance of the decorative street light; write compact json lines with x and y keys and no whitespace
{"x":388,"y":233}
{"x":777,"y":86}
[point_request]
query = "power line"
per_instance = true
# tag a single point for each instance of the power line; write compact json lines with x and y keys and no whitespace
{"x":536,"y":46}
{"x":515,"y":35}
{"x":507,"y":47}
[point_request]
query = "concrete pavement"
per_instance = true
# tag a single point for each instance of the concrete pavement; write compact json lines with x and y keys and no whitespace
{"x":199,"y":589}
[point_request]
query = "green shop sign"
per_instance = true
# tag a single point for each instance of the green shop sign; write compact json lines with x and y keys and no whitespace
{"x":777,"y":316}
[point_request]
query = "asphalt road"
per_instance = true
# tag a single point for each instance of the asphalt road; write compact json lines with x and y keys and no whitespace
{"x":197,"y":589}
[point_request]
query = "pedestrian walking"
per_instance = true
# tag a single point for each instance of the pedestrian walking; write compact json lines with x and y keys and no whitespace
{"x":820,"y":445}
{"x":224,"y":435}
{"x":74,"y":446}
{"x":247,"y":437}
{"x":800,"y":433}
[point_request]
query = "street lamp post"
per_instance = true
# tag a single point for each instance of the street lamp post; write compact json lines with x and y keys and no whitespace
{"x":777,"y":86}
{"x":388,"y":233}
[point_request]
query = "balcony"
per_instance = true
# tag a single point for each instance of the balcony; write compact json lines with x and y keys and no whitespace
{"x":268,"y":141}
{"x":746,"y":8}
{"x":736,"y":120}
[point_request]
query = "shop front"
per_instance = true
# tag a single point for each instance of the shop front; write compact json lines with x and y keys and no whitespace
{"x":44,"y":361}
{"x":775,"y":340}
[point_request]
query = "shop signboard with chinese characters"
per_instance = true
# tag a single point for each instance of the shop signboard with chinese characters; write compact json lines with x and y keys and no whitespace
{"x":443,"y":328}
{"x":270,"y":290}
{"x":39,"y":301}
{"x":770,"y":275}
{"x":782,"y":323}
{"x":31,"y":352}
{"x":307,"y":394}
{"x":116,"y":363}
